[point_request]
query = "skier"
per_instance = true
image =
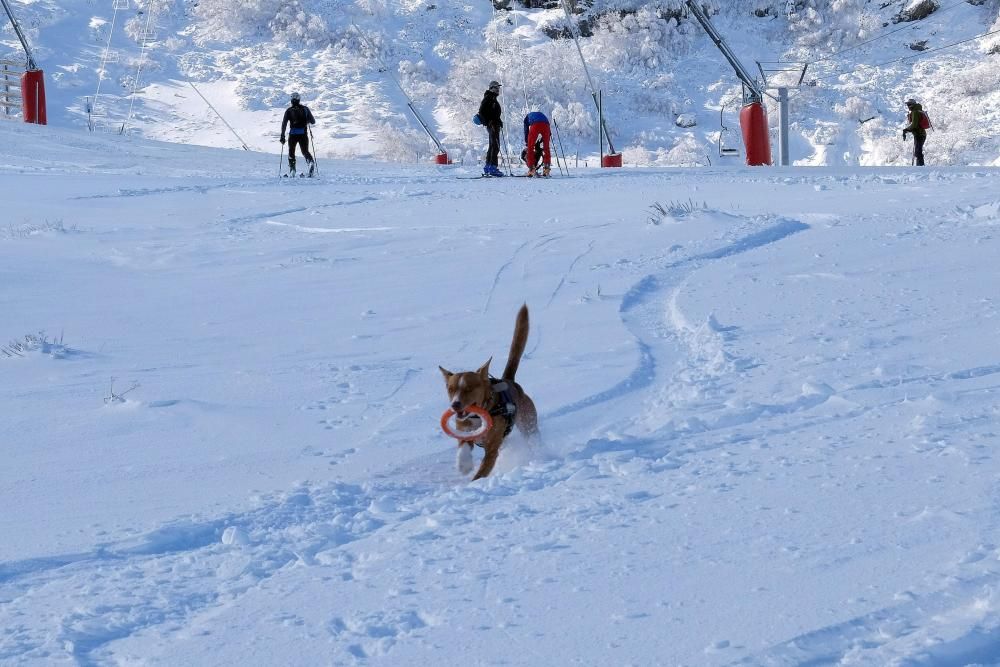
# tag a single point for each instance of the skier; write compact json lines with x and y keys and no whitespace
{"x":298,"y":116}
{"x":538,"y":155}
{"x":536,"y":129}
{"x":917,"y":124}
{"x":490,"y":116}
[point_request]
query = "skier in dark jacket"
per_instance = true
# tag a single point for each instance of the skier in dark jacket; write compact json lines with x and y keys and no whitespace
{"x":298,"y":116}
{"x":490,"y":115}
{"x":536,"y":129}
{"x":915,"y":125}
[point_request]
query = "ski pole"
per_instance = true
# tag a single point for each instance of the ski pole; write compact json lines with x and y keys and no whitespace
{"x":315,"y":151}
{"x":561,"y":148}
{"x":505,"y":149}
{"x":281,"y":158}
{"x":559,"y":163}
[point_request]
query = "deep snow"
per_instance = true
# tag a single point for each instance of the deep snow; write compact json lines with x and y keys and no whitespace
{"x":769,"y":413}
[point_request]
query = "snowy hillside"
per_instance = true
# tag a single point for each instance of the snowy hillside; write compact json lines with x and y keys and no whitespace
{"x":768,"y":408}
{"x":657,"y":68}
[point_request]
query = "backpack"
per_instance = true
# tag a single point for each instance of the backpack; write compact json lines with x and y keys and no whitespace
{"x":925,"y":120}
{"x":297,"y":117}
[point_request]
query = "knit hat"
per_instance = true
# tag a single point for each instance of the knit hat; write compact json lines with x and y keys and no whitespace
{"x":911,"y":102}
{"x":494,"y":84}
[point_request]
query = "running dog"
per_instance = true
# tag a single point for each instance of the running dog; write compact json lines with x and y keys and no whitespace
{"x":504,"y":399}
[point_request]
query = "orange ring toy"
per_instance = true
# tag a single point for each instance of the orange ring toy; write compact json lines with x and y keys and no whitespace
{"x":467,"y":436}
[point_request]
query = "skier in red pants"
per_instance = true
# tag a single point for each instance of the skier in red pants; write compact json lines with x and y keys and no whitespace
{"x":536,"y":125}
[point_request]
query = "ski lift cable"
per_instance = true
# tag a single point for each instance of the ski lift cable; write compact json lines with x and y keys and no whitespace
{"x":897,"y":60}
{"x":506,"y":110}
{"x":104,"y":59}
{"x":138,"y":70}
{"x":216,"y":111}
{"x":409,"y":101}
{"x":884,"y":35}
{"x":20,"y":35}
{"x":520,"y":60}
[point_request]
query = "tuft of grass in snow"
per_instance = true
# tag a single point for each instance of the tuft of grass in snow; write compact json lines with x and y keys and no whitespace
{"x":674,"y":210}
{"x":20,"y":347}
{"x":28,"y":229}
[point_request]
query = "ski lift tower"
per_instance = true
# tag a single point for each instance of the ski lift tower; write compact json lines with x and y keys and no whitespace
{"x":753,"y":115}
{"x":613,"y":158}
{"x":32,"y":80}
{"x":784,"y":75}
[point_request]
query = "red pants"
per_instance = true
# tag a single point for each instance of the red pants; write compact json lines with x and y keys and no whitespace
{"x":534,"y":131}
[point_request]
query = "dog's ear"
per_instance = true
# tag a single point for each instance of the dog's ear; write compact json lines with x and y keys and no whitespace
{"x":484,"y":370}
{"x":447,"y":374}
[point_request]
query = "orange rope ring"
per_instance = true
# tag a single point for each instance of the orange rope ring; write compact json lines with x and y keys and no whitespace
{"x":467,"y":436}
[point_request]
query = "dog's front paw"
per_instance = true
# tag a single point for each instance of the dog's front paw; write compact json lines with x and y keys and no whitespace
{"x":465,"y":463}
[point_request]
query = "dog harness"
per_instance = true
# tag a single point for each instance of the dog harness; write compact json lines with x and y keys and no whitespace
{"x":504,"y":405}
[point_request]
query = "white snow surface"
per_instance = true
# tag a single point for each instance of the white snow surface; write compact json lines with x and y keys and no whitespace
{"x":768,"y":399}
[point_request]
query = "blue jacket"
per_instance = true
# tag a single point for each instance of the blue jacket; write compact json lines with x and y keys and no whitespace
{"x":531,"y":119}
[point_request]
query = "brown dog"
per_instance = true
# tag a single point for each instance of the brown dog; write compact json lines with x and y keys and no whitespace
{"x":504,"y":399}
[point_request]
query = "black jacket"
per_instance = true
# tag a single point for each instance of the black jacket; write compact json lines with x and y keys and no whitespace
{"x":489,"y":110}
{"x":297,"y":116}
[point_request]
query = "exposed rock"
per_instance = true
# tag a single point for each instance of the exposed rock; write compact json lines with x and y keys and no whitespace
{"x":686,"y":120}
{"x":916,"y":10}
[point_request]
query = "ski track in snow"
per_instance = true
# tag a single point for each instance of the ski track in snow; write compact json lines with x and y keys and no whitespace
{"x":648,"y":294}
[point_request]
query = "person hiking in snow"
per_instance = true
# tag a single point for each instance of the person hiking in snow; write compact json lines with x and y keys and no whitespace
{"x":490,"y":116}
{"x":536,"y":130}
{"x":917,"y":124}
{"x":297,"y":116}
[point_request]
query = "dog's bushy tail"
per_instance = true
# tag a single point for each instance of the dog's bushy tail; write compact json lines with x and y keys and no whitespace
{"x":517,"y":345}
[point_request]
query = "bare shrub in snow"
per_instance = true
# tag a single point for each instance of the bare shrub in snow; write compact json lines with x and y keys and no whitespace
{"x":401,"y":144}
{"x":293,"y":24}
{"x":225,"y":21}
{"x":287,"y":21}
{"x":118,"y":397}
{"x":575,"y":119}
{"x":687,"y":152}
{"x":855,"y":108}
{"x":657,"y":96}
{"x":636,"y":40}
{"x":638,"y":155}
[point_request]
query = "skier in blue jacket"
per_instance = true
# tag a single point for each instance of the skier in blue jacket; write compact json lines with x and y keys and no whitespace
{"x":536,"y":126}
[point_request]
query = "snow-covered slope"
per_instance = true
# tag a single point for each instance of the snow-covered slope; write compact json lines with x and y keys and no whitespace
{"x":768,"y":399}
{"x":654,"y":64}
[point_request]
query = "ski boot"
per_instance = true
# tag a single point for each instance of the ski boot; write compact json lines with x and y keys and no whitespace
{"x":546,"y":171}
{"x":291,"y":167}
{"x":531,"y":173}
{"x":312,"y":168}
